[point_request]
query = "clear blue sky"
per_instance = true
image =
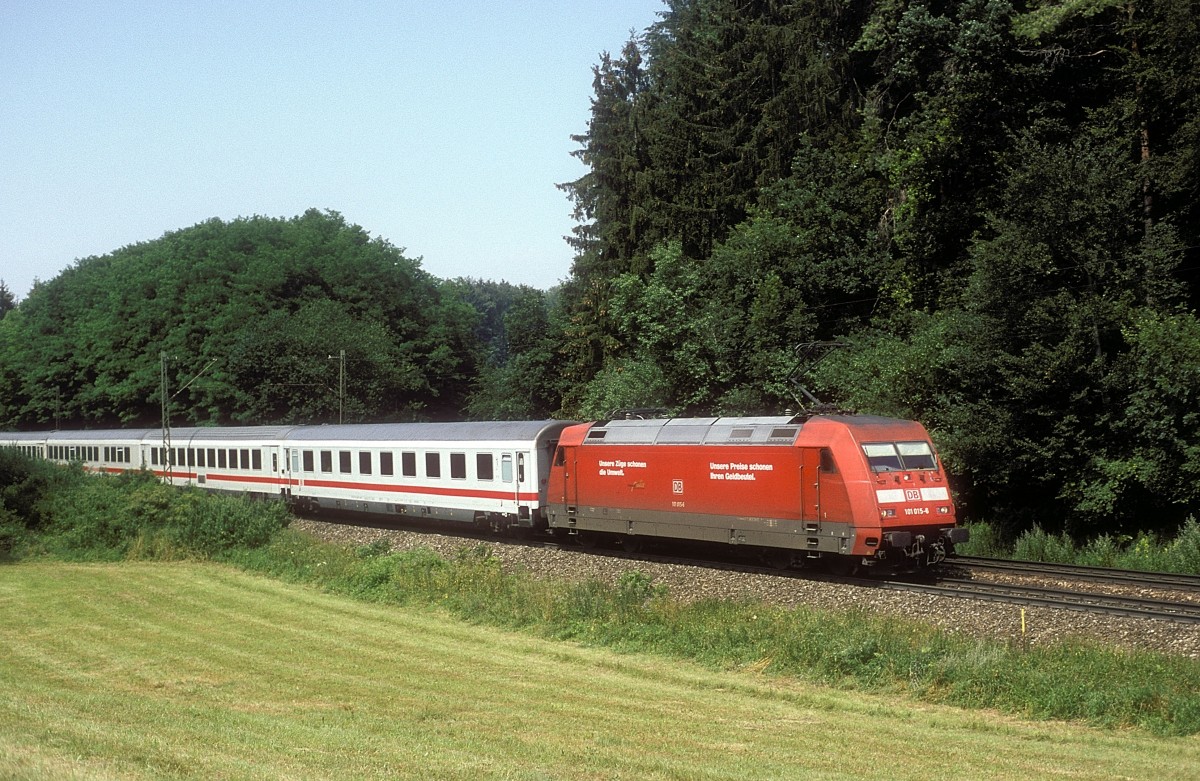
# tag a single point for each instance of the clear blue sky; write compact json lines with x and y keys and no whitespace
{"x":441,"y":127}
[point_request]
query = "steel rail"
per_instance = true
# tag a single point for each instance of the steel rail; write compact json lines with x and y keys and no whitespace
{"x":1162,"y":580}
{"x":1107,"y":604}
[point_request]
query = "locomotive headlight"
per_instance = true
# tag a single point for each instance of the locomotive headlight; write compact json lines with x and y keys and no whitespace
{"x":888,"y":513}
{"x":943,"y":510}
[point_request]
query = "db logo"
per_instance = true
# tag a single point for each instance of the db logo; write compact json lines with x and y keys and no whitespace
{"x":912,"y":495}
{"x":677,"y":486}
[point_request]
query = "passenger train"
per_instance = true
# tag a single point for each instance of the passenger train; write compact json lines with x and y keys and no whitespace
{"x":850,"y":490}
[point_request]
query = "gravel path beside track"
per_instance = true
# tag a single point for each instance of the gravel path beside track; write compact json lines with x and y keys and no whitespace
{"x":968,"y":616}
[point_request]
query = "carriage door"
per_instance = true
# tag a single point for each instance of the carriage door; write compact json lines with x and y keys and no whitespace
{"x":565,"y":460}
{"x":291,"y":466}
{"x":506,"y":472}
{"x":810,"y":487}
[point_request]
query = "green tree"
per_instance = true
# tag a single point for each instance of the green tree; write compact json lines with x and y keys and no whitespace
{"x":8,"y":301}
{"x":250,"y":309}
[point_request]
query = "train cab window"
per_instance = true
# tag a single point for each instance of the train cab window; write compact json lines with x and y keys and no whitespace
{"x":327,"y":461}
{"x":897,"y":456}
{"x":344,"y":461}
{"x":364,"y":462}
{"x":385,"y":463}
{"x":433,"y":464}
{"x":458,"y":466}
{"x":408,"y":464}
{"x":560,"y":457}
{"x":484,"y":469}
{"x":882,"y":457}
{"x":828,"y":465}
{"x":916,"y":455}
{"x":308,"y":461}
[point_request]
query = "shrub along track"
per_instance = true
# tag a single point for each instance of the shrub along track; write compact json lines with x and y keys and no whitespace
{"x":689,"y":581}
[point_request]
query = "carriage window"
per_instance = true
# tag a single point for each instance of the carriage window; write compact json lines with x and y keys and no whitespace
{"x":222,"y":462}
{"x":408,"y":464}
{"x":433,"y":464}
{"x":506,"y":468}
{"x":458,"y":466}
{"x":483,"y":466}
{"x":308,"y":461}
{"x":344,"y":461}
{"x":212,"y":457}
{"x":364,"y":462}
{"x":385,"y":464}
{"x":257,"y":454}
{"x":327,"y":461}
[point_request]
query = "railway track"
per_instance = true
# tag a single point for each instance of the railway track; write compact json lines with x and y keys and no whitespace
{"x":1039,"y":596}
{"x":1153,"y":580}
{"x":1122,"y":605}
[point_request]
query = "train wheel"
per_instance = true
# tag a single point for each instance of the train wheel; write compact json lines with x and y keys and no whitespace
{"x":844,"y":566}
{"x":778,"y":558}
{"x":587,"y":540}
{"x":631,"y":544}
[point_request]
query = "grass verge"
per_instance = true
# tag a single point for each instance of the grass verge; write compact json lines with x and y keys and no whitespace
{"x":194,"y":670}
{"x":1072,"y":680}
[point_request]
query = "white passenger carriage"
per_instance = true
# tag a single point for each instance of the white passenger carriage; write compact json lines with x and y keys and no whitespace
{"x":240,"y":459}
{"x":98,"y":451}
{"x":493,"y":472}
{"x":489,"y":473}
{"x":29,"y":443}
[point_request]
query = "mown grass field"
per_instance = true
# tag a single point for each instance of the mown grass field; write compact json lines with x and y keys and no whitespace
{"x":191,"y":670}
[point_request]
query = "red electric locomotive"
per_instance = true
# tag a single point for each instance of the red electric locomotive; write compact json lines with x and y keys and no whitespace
{"x":853,"y":490}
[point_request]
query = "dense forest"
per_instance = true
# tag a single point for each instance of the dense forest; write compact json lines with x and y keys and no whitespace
{"x":992,"y":207}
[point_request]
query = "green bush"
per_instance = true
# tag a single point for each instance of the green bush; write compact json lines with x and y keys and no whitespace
{"x":1145,"y":552}
{"x":66,"y":512}
{"x":1183,"y":554}
{"x":985,"y":540}
{"x":1039,"y":545}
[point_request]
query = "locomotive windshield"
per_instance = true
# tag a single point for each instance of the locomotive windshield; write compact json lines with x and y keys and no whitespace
{"x":899,"y":456}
